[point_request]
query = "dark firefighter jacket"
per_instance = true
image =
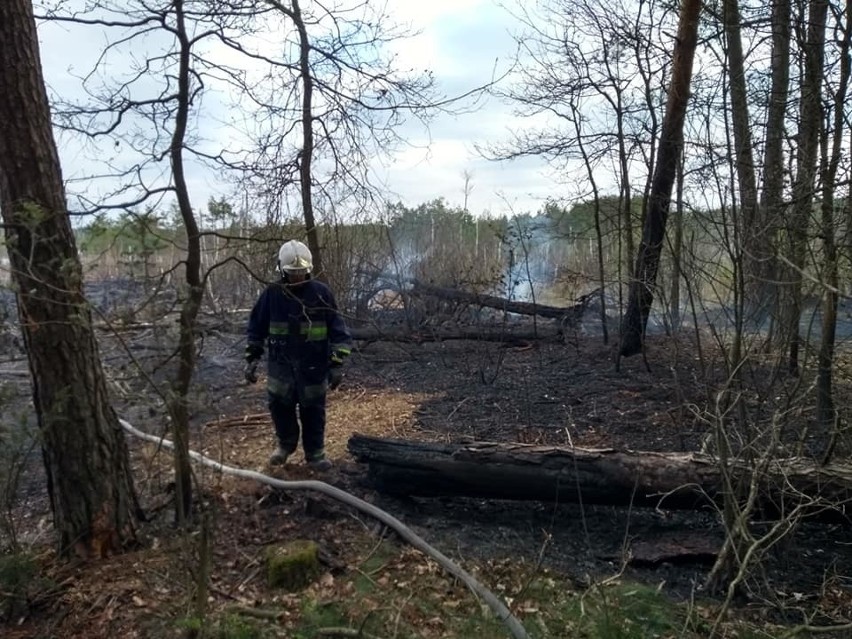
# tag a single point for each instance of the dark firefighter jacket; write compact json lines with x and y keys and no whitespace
{"x":304,"y":333}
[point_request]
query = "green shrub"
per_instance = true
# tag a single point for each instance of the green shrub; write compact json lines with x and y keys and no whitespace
{"x":19,"y":583}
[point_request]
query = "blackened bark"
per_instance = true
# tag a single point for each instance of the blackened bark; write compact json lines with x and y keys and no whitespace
{"x":85,"y":454}
{"x":641,"y":294}
{"x":473,"y":334}
{"x":568,"y":316}
{"x":589,"y":476}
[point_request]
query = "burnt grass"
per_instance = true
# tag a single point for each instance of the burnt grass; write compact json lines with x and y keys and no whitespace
{"x":565,"y":392}
{"x":573,"y":393}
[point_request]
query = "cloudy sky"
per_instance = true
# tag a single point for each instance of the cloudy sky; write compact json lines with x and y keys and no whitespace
{"x":464,"y":42}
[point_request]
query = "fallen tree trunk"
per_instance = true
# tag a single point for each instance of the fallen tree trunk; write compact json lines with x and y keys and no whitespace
{"x":369,"y":334}
{"x":569,"y":315}
{"x":589,"y":476}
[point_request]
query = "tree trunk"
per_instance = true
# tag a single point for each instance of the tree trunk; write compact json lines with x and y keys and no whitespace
{"x":476,"y":334}
{"x":772,"y":195}
{"x":832,"y":152}
{"x":306,"y":156}
{"x":179,"y":399}
{"x":543,"y":473}
{"x":810,"y":122}
{"x":677,"y":253}
{"x":85,"y":454}
{"x":752,"y":232}
{"x":569,"y":315}
{"x":641,"y":294}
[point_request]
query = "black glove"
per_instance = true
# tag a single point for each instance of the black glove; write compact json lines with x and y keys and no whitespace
{"x":250,"y":371}
{"x":253,"y":352}
{"x":335,"y":377}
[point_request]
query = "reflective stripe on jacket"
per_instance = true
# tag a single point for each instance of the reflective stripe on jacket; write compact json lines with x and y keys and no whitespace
{"x":301,"y":327}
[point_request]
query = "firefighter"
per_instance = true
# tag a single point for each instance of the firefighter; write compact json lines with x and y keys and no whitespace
{"x":307,"y":342}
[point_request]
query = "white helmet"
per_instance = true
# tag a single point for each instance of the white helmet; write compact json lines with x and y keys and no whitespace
{"x":294,"y":257}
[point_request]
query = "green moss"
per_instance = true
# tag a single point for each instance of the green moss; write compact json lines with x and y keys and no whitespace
{"x":292,"y":566}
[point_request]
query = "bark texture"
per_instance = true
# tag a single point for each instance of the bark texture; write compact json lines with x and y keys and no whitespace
{"x":85,"y":455}
{"x":589,"y":476}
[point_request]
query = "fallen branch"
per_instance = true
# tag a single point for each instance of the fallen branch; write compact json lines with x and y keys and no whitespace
{"x":516,"y":629}
{"x":255,"y":419}
{"x":481,"y":334}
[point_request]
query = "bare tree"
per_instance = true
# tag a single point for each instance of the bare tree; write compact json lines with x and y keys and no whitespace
{"x":325,"y":117}
{"x":179,"y":399}
{"x":677,"y":250}
{"x":167,"y":115}
{"x":579,"y":59}
{"x":88,"y":471}
{"x":305,"y":155}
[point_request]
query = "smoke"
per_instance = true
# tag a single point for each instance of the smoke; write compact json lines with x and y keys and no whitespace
{"x":533,"y":258}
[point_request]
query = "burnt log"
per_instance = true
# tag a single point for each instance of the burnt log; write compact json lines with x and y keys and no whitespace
{"x":567,"y":315}
{"x":590,"y":476}
{"x":493,"y":334}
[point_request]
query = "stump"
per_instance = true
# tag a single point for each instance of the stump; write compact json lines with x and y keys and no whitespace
{"x":292,"y":566}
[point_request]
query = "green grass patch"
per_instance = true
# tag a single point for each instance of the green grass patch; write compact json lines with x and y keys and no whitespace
{"x":627,"y":611}
{"x":228,"y":626}
{"x":317,"y":615}
{"x":22,"y":585}
{"x":396,"y":592}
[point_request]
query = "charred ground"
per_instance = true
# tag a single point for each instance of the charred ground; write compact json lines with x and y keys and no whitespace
{"x":568,"y":392}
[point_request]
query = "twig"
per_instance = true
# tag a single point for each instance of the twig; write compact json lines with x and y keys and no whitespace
{"x":399,"y":615}
{"x":256,"y":419}
{"x":502,"y":612}
{"x":222,"y":593}
{"x":455,"y":410}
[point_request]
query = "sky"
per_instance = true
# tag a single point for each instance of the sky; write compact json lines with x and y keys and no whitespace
{"x":467,"y":42}
{"x":463,"y":42}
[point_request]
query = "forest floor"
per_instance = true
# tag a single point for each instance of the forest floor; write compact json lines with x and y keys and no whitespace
{"x":565,"y":570}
